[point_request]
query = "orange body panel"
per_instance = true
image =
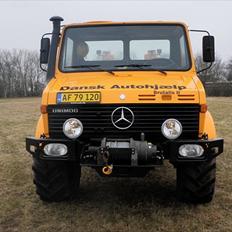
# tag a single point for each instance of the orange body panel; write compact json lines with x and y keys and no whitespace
{"x":138,"y":86}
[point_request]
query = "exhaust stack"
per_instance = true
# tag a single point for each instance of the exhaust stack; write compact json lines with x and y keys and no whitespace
{"x":56,"y":20}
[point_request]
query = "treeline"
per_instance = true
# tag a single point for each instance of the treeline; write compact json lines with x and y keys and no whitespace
{"x":20,"y":74}
{"x":221,"y":71}
{"x":218,"y":79}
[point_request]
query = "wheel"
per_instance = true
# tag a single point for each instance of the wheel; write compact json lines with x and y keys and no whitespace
{"x":56,"y":180}
{"x":196,"y":182}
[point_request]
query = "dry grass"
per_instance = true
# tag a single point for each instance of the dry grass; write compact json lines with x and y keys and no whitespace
{"x":106,"y":204}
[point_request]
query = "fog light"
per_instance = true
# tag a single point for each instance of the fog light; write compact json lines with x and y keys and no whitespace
{"x":55,"y":149}
{"x":191,"y":150}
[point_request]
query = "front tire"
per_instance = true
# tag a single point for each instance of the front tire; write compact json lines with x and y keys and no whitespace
{"x":56,"y":181}
{"x":196,"y":181}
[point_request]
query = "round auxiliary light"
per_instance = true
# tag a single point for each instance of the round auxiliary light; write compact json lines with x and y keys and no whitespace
{"x":72,"y":128}
{"x":171,"y":128}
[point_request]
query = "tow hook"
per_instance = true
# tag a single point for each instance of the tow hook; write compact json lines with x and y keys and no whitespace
{"x":107,"y":170}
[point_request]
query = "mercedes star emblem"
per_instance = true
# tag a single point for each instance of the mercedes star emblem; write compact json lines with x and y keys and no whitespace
{"x":122,"y":118}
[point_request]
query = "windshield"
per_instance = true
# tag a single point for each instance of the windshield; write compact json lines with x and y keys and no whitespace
{"x":124,"y":47}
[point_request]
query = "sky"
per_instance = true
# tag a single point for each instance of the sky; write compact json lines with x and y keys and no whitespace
{"x":24,"y":22}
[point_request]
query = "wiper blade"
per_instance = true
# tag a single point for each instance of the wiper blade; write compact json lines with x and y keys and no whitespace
{"x":158,"y":70}
{"x":90,"y":67}
{"x":141,"y":67}
{"x":82,"y":66}
{"x":132,"y":65}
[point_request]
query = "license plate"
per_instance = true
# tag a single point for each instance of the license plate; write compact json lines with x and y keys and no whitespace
{"x":79,"y":97}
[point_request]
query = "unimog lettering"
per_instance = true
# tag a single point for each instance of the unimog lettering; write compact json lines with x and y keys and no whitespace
{"x":123,"y":110}
{"x":74,"y":110}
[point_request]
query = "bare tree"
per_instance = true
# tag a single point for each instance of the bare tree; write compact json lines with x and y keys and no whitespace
{"x":20,"y":74}
{"x":229,"y":70}
{"x":217,"y":73}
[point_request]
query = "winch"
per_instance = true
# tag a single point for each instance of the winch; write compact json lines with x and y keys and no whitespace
{"x":122,"y":153}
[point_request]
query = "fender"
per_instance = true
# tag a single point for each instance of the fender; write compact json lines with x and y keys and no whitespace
{"x":209,"y":127}
{"x":41,"y":129}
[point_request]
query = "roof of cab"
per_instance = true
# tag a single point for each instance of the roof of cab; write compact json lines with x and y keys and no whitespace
{"x":92,"y":23}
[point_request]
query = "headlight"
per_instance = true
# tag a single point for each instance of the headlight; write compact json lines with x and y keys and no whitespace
{"x":72,"y":128}
{"x":171,"y":128}
{"x":191,"y":150}
{"x":55,"y":149}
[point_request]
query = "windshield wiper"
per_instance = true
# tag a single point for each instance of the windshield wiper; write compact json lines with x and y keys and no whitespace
{"x":82,"y":66}
{"x":90,"y":67}
{"x":141,"y":67}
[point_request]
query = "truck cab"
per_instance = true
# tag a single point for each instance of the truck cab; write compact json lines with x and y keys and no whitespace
{"x":121,"y":98}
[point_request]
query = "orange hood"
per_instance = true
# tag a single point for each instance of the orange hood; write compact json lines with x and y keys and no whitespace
{"x":136,"y":87}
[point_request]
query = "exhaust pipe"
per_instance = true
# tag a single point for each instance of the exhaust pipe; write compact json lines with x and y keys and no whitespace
{"x":107,"y":170}
{"x":54,"y":43}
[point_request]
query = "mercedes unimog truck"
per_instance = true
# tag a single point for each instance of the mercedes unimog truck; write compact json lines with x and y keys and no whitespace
{"x":122,"y":97}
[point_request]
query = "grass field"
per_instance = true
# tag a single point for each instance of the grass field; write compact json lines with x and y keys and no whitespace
{"x":106,"y":204}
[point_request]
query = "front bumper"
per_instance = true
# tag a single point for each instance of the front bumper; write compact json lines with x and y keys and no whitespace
{"x":36,"y":148}
{"x":168,"y":150}
{"x":212,"y":148}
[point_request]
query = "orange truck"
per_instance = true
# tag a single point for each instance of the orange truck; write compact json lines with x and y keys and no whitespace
{"x":121,"y":98}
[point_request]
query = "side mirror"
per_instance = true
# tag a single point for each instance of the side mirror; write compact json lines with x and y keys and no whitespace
{"x":44,"y":50}
{"x":208,"y":49}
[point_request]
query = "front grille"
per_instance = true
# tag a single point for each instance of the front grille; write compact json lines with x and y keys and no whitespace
{"x":148,"y":118}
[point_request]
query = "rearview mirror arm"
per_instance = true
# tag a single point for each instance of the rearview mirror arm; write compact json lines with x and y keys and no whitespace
{"x":211,"y":63}
{"x":202,"y":70}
